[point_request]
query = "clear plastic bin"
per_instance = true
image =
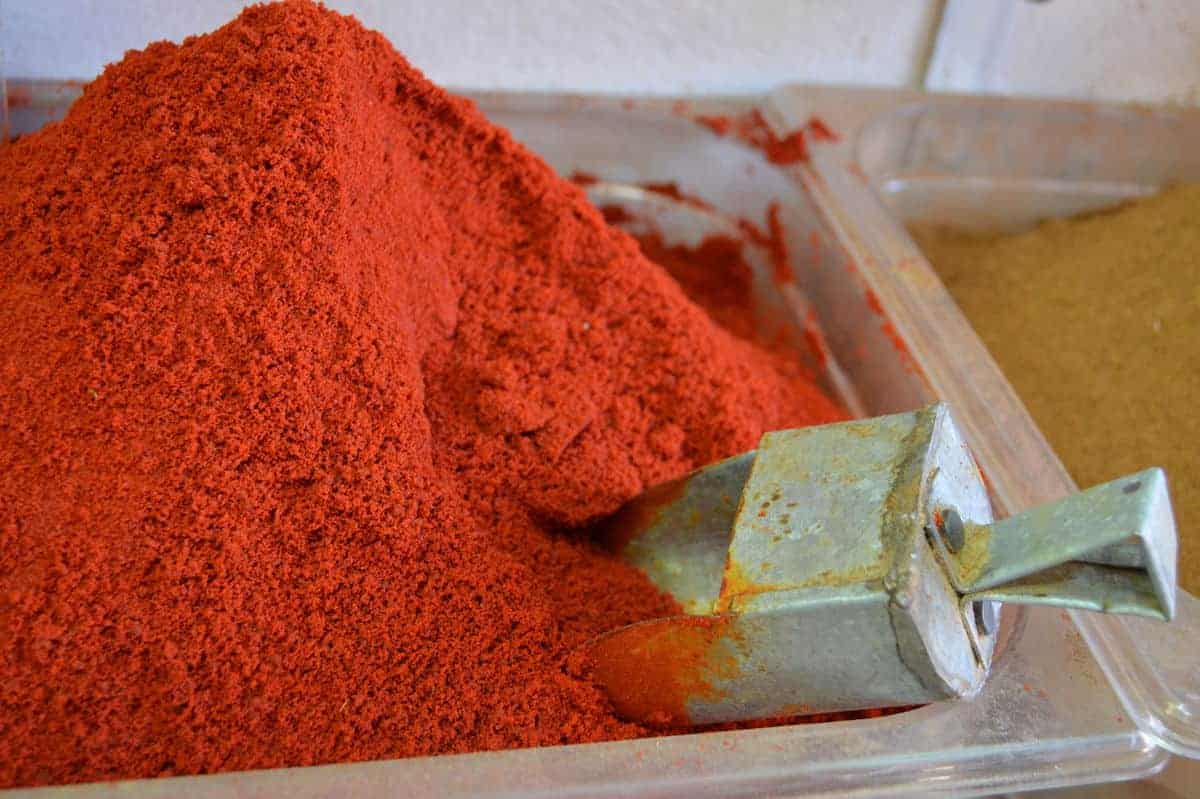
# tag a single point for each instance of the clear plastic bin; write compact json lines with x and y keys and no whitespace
{"x":1003,"y":164}
{"x":1048,"y":715}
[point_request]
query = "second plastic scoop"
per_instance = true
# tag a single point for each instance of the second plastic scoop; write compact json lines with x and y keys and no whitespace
{"x":857,"y":565}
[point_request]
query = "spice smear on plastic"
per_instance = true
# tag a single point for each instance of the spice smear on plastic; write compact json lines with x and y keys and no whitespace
{"x":1096,"y":322}
{"x":312,"y":380}
{"x":753,"y":129}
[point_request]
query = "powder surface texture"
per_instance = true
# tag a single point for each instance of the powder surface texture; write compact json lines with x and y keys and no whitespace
{"x":309,"y":379}
{"x":714,"y":274}
{"x":1096,"y":322}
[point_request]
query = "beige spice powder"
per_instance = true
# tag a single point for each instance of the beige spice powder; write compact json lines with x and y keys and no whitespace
{"x":1096,"y":322}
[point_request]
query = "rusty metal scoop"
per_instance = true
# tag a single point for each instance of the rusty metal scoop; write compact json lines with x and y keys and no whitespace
{"x":857,"y":565}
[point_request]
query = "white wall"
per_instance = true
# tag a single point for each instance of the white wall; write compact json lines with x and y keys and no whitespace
{"x":1109,"y":49}
{"x":1103,"y":49}
{"x":663,"y":46}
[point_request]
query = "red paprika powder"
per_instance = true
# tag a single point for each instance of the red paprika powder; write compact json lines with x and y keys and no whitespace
{"x":714,"y":274}
{"x":309,"y":378}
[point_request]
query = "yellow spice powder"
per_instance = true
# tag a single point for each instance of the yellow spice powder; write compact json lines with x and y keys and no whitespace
{"x":1096,"y":322}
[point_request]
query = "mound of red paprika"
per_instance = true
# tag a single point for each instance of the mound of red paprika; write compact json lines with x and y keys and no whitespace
{"x":309,"y":377}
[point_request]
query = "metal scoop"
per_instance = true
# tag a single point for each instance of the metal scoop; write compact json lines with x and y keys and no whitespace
{"x":857,"y":565}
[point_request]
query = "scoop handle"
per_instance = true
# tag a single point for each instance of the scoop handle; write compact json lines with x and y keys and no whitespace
{"x":1111,"y":549}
